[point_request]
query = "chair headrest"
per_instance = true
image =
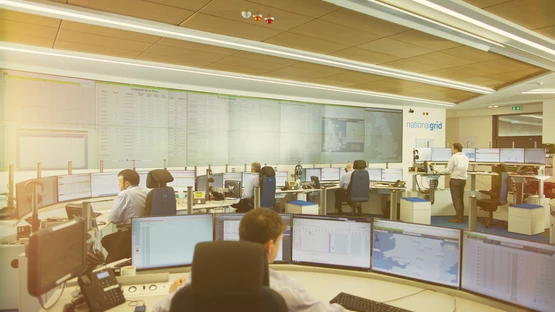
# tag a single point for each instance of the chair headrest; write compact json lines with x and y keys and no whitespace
{"x":267,"y":171}
{"x":158,"y":178}
{"x":229,"y":269}
{"x":359,"y":164}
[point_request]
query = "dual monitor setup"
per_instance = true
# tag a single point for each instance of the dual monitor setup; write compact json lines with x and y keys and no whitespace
{"x":515,"y":271}
{"x":335,"y":174}
{"x":535,"y":156}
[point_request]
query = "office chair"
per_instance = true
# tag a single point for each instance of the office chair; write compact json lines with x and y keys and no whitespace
{"x":498,"y":195}
{"x":359,"y":187}
{"x":160,"y":201}
{"x":229,"y":276}
{"x":267,"y":178}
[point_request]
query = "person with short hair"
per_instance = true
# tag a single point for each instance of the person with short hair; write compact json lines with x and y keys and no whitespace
{"x":253,"y":181}
{"x":131,"y":199}
{"x":457,"y":168}
{"x":341,"y":193}
{"x":266,"y":227}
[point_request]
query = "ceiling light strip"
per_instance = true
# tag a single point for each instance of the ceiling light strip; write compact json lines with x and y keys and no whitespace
{"x":368,"y":69}
{"x":255,"y":79}
{"x":485,"y":26}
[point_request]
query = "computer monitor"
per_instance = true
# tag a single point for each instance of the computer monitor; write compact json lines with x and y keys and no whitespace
{"x":511,"y":155}
{"x":142,"y":178}
{"x":218,"y":180}
{"x":422,"y":252}
{"x":56,"y":254}
{"x":470,"y":153}
{"x":104,"y":184}
{"x":520,"y":272}
{"x":441,"y":154}
{"x":182,"y":179}
{"x":234,"y":187}
{"x":424,"y":154}
{"x":311,"y":172}
{"x":281,"y":178}
{"x":235,"y":176}
{"x":245,"y":176}
{"x":74,"y":186}
{"x":487,"y":155}
{"x":169,"y":241}
{"x":392,"y":174}
{"x":46,"y":196}
{"x":226,"y":227}
{"x":375,"y":174}
{"x":342,"y":172}
{"x":534,"y":156}
{"x":201,"y":183}
{"x":331,"y":241}
{"x":330,"y":174}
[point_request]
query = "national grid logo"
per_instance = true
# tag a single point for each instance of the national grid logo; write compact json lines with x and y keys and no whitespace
{"x":426,"y":125}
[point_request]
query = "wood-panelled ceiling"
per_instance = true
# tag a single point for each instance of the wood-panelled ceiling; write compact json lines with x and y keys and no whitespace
{"x":309,"y":25}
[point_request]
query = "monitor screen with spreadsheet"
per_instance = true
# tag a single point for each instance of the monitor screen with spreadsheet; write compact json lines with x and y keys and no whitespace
{"x":517,"y":271}
{"x":534,"y":156}
{"x":182,"y":179}
{"x":331,"y":241}
{"x":422,"y":252}
{"x":74,"y":186}
{"x":392,"y":174}
{"x":281,"y":178}
{"x":330,"y":174}
{"x":245,"y":176}
{"x":104,"y":184}
{"x":511,"y":155}
{"x":375,"y":174}
{"x":311,"y":172}
{"x":142,"y":178}
{"x":159,"y":242}
{"x":487,"y":155}
{"x":470,"y":153}
{"x":226,"y":227}
{"x":441,"y":154}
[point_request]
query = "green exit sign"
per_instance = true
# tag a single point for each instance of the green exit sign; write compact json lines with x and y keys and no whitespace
{"x":516,"y":108}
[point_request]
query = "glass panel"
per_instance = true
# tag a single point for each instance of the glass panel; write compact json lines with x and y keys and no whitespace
{"x":520,"y":125}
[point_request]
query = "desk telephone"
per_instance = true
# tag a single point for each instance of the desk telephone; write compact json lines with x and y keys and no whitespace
{"x":101,"y":290}
{"x":399,"y":183}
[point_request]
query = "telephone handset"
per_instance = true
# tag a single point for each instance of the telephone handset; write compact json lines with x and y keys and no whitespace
{"x":101,"y":290}
{"x":399,"y":183}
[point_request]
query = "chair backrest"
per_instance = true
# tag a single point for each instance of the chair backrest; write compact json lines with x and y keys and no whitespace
{"x":504,"y":189}
{"x":267,"y":187}
{"x":359,"y":187}
{"x":160,"y":201}
{"x":217,"y":286}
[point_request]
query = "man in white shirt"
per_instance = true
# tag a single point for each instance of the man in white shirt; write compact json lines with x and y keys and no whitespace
{"x":457,"y":168}
{"x":266,"y":227}
{"x":341,"y":193}
{"x":253,"y":181}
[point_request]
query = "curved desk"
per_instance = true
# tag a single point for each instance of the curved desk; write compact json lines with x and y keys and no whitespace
{"x":325,"y":284}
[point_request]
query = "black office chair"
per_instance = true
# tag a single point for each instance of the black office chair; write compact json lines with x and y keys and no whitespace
{"x":229,"y":276}
{"x":359,"y":187}
{"x":160,"y":201}
{"x":267,"y":178}
{"x":497,"y":194}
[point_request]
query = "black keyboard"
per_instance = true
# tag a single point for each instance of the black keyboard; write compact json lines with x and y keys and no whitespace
{"x":355,"y":303}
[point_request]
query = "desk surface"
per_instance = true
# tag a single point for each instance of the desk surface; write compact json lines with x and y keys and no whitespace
{"x":325,"y":284}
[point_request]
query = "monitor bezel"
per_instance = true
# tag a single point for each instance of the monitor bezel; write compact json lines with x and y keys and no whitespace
{"x":339,"y":219}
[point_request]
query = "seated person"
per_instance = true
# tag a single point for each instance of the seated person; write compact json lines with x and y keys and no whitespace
{"x":341,"y":193}
{"x":266,"y":227}
{"x":253,"y":181}
{"x":129,"y":203}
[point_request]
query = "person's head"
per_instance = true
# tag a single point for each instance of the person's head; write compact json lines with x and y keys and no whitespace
{"x":263,"y":226}
{"x":127,"y":178}
{"x":255,"y":167}
{"x":456,"y":148}
{"x":349,"y":167}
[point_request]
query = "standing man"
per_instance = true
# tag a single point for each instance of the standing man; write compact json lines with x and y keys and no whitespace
{"x":253,"y":181}
{"x":457,"y":168}
{"x":341,"y":193}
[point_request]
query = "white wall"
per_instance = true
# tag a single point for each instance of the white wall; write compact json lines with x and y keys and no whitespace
{"x":549,"y":126}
